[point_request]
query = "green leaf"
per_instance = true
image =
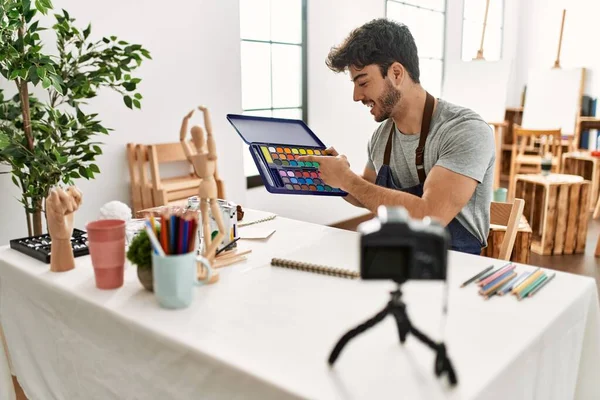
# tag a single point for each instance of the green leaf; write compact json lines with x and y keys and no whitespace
{"x":127,"y":101}
{"x":136,"y":80}
{"x":138,"y":96}
{"x":130,"y":87}
{"x":15,"y":181}
{"x":83,"y":172}
{"x":113,"y":38}
{"x":4,"y":140}
{"x":137,"y":104}
{"x":105,"y":40}
{"x":94,"y":168}
{"x":47,"y":144}
{"x":74,"y":175}
{"x":23,"y":73}
{"x":14,"y":75}
{"x":41,"y":72}
{"x":87,"y":31}
{"x":97,"y":149}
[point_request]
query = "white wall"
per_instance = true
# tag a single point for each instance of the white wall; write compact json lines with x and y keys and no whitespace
{"x":540,"y":29}
{"x":196,"y":59}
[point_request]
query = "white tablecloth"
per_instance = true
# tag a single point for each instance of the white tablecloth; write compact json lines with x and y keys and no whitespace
{"x":265,"y":332}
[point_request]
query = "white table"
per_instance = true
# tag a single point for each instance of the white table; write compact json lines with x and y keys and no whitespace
{"x":265,"y":332}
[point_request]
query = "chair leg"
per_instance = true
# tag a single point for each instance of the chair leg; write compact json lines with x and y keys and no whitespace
{"x":597,"y":209}
{"x":511,"y":181}
{"x":597,"y":253}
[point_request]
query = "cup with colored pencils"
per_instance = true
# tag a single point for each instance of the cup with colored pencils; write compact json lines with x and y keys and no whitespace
{"x":175,"y":263}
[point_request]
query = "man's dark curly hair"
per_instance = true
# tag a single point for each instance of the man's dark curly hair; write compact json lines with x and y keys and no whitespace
{"x":380,"y":42}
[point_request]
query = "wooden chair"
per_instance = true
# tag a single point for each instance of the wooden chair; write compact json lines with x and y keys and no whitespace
{"x":170,"y":189}
{"x":509,"y":215}
{"x":528,"y":149}
{"x":135,"y":182}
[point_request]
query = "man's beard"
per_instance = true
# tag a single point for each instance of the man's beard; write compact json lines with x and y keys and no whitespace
{"x":387,"y":101}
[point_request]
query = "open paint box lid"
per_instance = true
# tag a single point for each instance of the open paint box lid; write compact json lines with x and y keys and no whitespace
{"x":288,"y":132}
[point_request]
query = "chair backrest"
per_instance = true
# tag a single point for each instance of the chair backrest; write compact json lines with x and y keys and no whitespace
{"x":509,"y":215}
{"x":135,"y":181}
{"x":550,"y":141}
{"x":167,"y":152}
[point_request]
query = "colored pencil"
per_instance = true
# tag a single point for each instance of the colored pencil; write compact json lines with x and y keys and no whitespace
{"x":494,"y":282}
{"x":497,"y":274}
{"x":227,"y":247}
{"x":193,"y":230}
{"x":470,"y":280}
{"x":541,"y":285}
{"x":163,"y":232}
{"x":152,"y":236}
{"x":492,"y":272}
{"x":172,"y":232}
{"x":152,"y":223}
{"x":492,"y":291}
{"x":534,"y":275}
{"x":508,"y":287}
{"x":184,"y":243}
{"x":531,"y":287}
{"x":180,"y":229}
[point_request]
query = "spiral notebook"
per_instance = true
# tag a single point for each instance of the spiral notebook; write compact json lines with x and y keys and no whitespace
{"x":315,"y":268}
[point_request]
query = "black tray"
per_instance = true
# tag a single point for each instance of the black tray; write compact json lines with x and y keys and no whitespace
{"x":38,"y":247}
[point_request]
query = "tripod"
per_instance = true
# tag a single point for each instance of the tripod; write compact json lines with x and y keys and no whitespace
{"x":397,"y":308}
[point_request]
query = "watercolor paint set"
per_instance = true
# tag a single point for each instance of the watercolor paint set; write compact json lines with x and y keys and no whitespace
{"x":275,"y":145}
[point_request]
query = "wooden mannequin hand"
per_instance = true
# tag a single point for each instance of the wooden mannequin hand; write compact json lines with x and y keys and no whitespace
{"x":60,"y":206}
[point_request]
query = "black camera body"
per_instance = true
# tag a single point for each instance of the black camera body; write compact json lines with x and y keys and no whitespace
{"x":395,"y":247}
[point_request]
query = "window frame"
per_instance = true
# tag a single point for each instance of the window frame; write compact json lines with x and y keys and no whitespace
{"x":444,"y":13}
{"x":255,"y":180}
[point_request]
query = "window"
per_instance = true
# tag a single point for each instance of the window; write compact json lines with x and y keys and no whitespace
{"x":426,"y":20}
{"x":473,"y":17}
{"x":273,"y":53}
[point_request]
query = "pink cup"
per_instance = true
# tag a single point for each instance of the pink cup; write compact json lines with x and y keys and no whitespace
{"x":106,"y":240}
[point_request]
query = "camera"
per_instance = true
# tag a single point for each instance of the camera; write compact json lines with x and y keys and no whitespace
{"x":396,"y":247}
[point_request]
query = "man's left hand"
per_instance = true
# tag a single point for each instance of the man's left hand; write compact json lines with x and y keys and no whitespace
{"x":335,"y":171}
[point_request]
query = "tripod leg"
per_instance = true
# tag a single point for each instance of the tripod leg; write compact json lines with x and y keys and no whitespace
{"x":402,"y":322}
{"x":357,"y":331}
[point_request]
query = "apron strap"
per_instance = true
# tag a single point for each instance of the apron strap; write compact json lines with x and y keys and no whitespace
{"x":425,"y":123}
{"x":419,"y":156}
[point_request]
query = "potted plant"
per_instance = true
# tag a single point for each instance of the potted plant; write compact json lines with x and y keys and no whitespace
{"x":48,"y":138}
{"x":140,"y":254}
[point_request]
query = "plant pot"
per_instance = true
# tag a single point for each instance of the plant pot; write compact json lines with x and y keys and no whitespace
{"x":145,"y":276}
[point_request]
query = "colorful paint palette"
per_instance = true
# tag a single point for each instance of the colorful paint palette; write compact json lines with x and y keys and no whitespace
{"x":278,"y":163}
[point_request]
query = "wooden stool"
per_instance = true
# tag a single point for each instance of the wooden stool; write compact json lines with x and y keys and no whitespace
{"x":521,"y":248}
{"x":582,"y":163}
{"x":556,"y":207}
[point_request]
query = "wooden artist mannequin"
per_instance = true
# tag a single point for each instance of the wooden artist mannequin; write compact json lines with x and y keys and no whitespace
{"x":204,"y":161}
{"x":60,"y":206}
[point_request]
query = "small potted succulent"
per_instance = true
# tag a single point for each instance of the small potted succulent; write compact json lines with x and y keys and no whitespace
{"x":140,"y":254}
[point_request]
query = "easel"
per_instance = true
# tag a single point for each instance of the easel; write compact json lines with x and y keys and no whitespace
{"x":479,"y":55}
{"x":562,"y":28}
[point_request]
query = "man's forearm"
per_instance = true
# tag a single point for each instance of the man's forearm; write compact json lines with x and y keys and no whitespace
{"x":352,"y":200}
{"x":372,"y":196}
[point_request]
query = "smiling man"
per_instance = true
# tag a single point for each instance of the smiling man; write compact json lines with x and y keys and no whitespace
{"x":434,"y":158}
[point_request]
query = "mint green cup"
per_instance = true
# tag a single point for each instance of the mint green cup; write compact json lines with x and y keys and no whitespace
{"x":175,"y":277}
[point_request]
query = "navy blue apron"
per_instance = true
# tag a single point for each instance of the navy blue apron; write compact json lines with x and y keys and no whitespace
{"x":462,"y":239}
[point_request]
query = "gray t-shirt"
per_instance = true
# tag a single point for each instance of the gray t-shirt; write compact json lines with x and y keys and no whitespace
{"x":458,"y":140}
